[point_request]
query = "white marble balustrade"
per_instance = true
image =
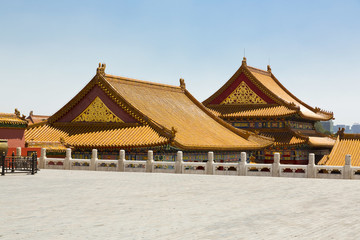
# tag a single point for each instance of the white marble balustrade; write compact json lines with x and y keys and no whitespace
{"x":241,"y":168}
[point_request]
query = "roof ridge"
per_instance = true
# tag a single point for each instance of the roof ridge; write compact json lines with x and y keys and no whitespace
{"x":260,"y":70}
{"x":8,"y":114}
{"x":137,"y":81}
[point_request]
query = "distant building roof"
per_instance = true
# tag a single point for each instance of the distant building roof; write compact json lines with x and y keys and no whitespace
{"x":12,"y":120}
{"x":345,"y":144}
{"x":33,"y":119}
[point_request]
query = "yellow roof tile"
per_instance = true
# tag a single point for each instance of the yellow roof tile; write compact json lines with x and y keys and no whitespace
{"x":346,"y":144}
{"x":173,"y":107}
{"x":11,"y":119}
{"x":275,"y":87}
{"x":95,"y":136}
{"x":285,"y":138}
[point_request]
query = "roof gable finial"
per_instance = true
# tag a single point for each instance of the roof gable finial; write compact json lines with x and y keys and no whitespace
{"x":101,"y":69}
{"x":269,"y":68}
{"x":182,"y":84}
{"x":244,"y":61}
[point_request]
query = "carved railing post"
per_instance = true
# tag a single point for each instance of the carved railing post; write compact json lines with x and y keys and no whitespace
{"x":276,"y":165}
{"x":347,"y":167}
{"x":311,"y":166}
{"x":42,"y":159}
{"x":150,"y":161}
{"x":94,"y":158}
{"x":121,"y":161}
{"x":179,"y":162}
{"x":242,"y":164}
{"x":67,"y":159}
{"x":210,"y":163}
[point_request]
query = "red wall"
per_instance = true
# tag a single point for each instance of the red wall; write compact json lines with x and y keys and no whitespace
{"x":24,"y":151}
{"x":15,"y":136}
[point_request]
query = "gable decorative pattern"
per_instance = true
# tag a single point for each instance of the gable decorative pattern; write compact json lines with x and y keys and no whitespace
{"x":243,"y":95}
{"x":97,"y":111}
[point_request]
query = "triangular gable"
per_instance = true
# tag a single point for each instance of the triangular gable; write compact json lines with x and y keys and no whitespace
{"x":242,"y":91}
{"x":97,"y":111}
{"x":97,"y":106}
{"x":243,"y":95}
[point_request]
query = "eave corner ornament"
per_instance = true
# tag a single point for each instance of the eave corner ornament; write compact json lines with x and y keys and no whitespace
{"x":97,"y":111}
{"x":243,"y":95}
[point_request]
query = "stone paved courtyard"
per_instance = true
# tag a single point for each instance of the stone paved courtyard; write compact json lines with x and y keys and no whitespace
{"x":58,"y":204}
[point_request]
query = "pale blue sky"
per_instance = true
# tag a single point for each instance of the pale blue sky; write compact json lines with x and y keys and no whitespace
{"x":49,"y":50}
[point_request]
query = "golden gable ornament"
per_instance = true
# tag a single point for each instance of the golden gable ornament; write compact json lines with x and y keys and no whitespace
{"x":243,"y":95}
{"x":97,"y":111}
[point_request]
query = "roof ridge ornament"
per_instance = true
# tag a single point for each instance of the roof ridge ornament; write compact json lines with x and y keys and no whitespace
{"x":173,"y":133}
{"x":101,"y":69}
{"x":17,"y":112}
{"x":341,"y":132}
{"x":182,"y":84}
{"x":244,"y":61}
{"x":269,"y":68}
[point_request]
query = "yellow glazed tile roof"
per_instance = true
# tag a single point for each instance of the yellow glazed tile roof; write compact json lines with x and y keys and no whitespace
{"x":164,"y":114}
{"x":286,"y":138}
{"x":95,"y":136}
{"x":346,"y":144}
{"x":275,"y":87}
{"x":267,"y":83}
{"x":11,"y":119}
{"x":175,"y":108}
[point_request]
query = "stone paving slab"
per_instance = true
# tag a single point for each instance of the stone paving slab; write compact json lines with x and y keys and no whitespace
{"x":58,"y":204}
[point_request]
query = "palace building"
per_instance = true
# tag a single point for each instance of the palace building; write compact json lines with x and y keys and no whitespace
{"x":33,"y":119}
{"x":12,"y":128}
{"x":255,"y":100}
{"x":112,"y":113}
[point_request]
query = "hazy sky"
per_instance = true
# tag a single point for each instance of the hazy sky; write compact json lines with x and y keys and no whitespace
{"x":49,"y":50}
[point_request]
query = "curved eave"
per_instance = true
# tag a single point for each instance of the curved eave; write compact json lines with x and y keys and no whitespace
{"x":319,"y":118}
{"x":323,"y":142}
